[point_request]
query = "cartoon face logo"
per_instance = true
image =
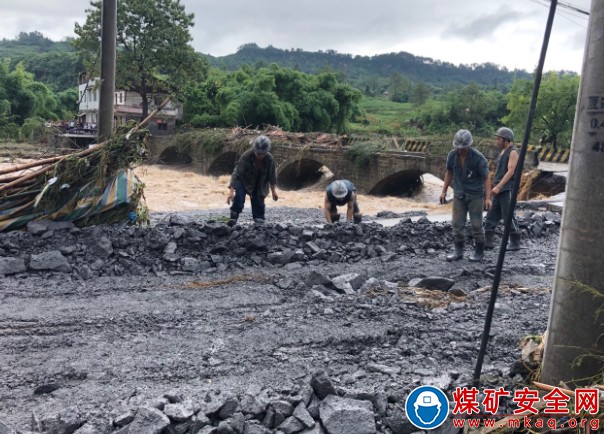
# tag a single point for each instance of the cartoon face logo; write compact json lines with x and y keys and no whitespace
{"x":427,"y":407}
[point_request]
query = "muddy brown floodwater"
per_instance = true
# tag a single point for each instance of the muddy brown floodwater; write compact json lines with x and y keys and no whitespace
{"x":182,"y":188}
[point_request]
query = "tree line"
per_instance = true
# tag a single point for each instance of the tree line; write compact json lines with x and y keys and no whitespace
{"x":26,"y":104}
{"x":359,"y":69}
{"x":258,"y":93}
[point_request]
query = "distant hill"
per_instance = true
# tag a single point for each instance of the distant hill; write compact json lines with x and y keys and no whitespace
{"x":56,"y":64}
{"x":356,"y":68}
{"x":52,"y":63}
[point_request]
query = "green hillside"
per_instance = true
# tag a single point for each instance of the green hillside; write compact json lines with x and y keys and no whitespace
{"x":357,"y":68}
{"x":56,"y":64}
{"x":52,"y":63}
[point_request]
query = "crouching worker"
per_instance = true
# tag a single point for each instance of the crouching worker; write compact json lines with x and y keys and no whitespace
{"x":254,"y":174}
{"x":339,"y":193}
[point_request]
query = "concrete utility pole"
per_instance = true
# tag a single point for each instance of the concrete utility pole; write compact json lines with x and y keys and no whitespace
{"x":576,"y":328}
{"x":107,"y":92}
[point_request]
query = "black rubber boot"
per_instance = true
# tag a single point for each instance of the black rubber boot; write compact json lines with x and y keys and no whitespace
{"x":514,"y":243}
{"x":478,"y":253}
{"x":489,"y":242}
{"x":335,"y":218}
{"x":458,"y":253}
{"x":233,"y":220}
{"x":357,"y":219}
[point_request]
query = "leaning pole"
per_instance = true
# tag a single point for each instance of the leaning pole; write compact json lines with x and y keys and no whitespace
{"x":574,"y":350}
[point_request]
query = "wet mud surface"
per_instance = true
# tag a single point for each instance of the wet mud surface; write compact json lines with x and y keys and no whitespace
{"x":98,"y":323}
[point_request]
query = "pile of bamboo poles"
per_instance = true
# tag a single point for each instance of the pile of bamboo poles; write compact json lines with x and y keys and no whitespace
{"x":24,"y":185}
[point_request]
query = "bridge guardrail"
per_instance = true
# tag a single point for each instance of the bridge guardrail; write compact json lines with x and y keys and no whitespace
{"x":550,"y":155}
{"x":417,"y":145}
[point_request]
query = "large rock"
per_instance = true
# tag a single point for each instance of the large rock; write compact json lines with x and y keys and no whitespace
{"x":346,"y":416}
{"x":148,"y":421}
{"x":51,"y":260}
{"x":321,"y":384}
{"x":12,"y":266}
{"x":436,"y":283}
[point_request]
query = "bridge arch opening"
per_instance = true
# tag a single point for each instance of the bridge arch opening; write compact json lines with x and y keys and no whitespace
{"x":173,"y":155}
{"x":303,"y":173}
{"x":223,"y":164}
{"x":407,"y":183}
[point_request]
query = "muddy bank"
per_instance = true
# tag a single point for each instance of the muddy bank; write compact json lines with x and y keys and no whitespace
{"x":191,"y":326}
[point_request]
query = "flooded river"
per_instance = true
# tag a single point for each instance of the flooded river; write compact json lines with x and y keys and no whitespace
{"x":184,"y":188}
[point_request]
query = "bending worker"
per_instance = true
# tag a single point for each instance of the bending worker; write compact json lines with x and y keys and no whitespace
{"x":339,"y":193}
{"x":253,"y":175}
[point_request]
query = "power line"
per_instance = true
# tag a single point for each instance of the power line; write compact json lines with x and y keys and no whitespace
{"x":570,"y":15}
{"x":574,"y":8}
{"x":564,"y":5}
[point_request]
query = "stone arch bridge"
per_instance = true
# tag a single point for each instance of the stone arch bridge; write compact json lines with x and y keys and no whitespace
{"x":396,"y":173}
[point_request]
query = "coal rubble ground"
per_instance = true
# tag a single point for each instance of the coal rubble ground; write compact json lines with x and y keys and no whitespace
{"x":292,"y":326}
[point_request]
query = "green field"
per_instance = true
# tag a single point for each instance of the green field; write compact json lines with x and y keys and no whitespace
{"x":381,"y":116}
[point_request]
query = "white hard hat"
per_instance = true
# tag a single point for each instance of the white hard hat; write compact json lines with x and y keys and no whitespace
{"x":339,"y":189}
{"x":462,"y":139}
{"x":261,"y":145}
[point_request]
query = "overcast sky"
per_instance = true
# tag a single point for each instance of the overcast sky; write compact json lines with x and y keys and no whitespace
{"x":508,"y":33}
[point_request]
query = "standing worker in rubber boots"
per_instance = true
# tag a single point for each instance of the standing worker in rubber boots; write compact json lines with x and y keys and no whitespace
{"x":339,"y":193}
{"x":254,"y":174}
{"x":502,"y":190}
{"x":467,"y":169}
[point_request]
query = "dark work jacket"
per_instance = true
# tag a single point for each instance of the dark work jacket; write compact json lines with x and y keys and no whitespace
{"x":468,"y":182}
{"x":502,"y":168}
{"x":254,"y":179}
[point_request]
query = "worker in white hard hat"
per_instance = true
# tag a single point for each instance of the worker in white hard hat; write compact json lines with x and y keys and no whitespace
{"x":467,"y":170}
{"x":339,"y":193}
{"x":255,"y":172}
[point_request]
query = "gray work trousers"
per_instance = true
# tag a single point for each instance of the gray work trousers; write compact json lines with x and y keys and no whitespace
{"x":499,"y":210}
{"x":461,"y":209}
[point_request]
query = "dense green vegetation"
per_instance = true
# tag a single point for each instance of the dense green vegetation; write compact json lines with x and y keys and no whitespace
{"x":272,"y":96}
{"x":147,"y":61}
{"x":555,"y":110}
{"x":25,"y":104}
{"x":53,"y":63}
